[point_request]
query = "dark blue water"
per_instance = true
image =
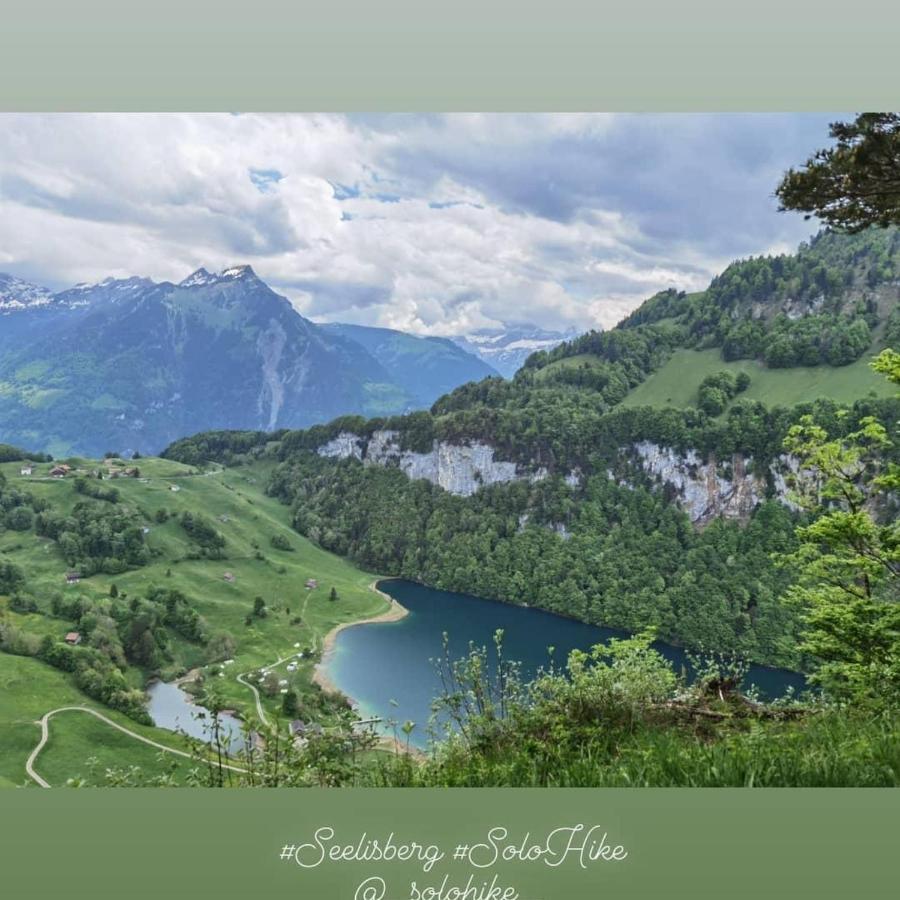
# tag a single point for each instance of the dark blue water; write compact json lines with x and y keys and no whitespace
{"x":388,"y":668}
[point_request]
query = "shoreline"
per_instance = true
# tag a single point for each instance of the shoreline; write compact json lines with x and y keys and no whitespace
{"x":394,"y":613}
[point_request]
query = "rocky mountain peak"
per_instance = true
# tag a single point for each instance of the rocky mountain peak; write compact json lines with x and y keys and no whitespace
{"x":17,"y":294}
{"x":203,"y":277}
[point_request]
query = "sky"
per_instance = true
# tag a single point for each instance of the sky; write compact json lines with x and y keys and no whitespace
{"x":436,"y":224}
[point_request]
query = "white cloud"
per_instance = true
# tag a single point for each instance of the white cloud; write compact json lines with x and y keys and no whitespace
{"x":438,"y":223}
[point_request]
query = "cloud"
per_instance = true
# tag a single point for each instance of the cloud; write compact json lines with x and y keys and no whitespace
{"x":430,"y":223}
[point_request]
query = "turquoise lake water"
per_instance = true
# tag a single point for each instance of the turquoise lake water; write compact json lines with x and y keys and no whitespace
{"x":387,"y":667}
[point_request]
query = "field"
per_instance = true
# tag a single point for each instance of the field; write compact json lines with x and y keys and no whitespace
{"x":29,"y":689}
{"x":234,"y":500}
{"x":677,"y":382}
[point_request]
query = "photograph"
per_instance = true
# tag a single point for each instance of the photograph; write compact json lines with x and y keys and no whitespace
{"x":401,"y":449}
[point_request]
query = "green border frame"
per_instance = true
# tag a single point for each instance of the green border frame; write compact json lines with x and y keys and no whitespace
{"x":701,"y":844}
{"x":423,"y":55}
{"x":489,"y":55}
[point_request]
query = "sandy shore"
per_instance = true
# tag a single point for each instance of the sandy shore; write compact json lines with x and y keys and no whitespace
{"x":394,"y":614}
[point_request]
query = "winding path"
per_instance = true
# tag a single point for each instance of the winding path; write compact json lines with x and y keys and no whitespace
{"x":259,"y":707}
{"x":45,"y":735}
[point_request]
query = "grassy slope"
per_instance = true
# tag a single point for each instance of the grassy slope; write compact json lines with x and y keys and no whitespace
{"x":253,"y":518}
{"x":677,"y":382}
{"x":28,"y":689}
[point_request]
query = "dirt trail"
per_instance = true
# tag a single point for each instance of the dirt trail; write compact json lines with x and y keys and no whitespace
{"x":45,"y":735}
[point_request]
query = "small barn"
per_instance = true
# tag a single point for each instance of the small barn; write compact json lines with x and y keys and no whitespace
{"x":229,"y":577}
{"x":311,"y":583}
{"x":73,"y":577}
{"x":26,"y":470}
{"x":73,"y":638}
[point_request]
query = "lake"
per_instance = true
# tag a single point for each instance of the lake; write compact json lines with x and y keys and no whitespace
{"x":381,"y":662}
{"x":172,"y":708}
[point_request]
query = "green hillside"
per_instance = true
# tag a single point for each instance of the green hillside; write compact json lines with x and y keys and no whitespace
{"x":79,"y":743}
{"x":235,"y":502}
{"x":677,"y":382}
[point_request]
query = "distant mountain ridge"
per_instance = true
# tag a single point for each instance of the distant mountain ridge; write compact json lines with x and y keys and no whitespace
{"x":425,"y":367}
{"x":507,"y":348}
{"x":131,"y":364}
{"x":16,"y":294}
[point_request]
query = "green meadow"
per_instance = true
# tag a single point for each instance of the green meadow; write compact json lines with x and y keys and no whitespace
{"x":79,"y":745}
{"x":296,"y":618}
{"x":676,"y":384}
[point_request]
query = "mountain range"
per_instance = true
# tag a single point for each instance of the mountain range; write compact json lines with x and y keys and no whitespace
{"x":507,"y":348}
{"x":131,"y":364}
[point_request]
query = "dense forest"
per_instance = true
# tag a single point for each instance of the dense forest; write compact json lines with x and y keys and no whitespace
{"x":610,"y":554}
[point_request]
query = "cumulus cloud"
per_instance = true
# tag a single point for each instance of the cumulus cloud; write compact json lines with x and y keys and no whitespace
{"x":437,"y":224}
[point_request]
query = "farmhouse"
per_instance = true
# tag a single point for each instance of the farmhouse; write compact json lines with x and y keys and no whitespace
{"x":73,"y":577}
{"x":60,"y":471}
{"x":26,"y":470}
{"x":73,"y":638}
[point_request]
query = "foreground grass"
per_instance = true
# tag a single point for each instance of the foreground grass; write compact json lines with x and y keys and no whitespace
{"x":828,"y":749}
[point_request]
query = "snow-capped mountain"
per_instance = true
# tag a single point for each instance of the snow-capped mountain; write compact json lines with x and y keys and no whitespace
{"x":130,"y":363}
{"x":508,"y":347}
{"x":16,"y":294}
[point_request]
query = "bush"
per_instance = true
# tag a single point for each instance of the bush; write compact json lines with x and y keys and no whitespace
{"x":202,"y":533}
{"x":20,"y":519}
{"x":280,"y":542}
{"x":11,"y":577}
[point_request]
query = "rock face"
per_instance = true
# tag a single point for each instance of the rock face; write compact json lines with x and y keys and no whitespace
{"x":704,"y":489}
{"x":343,"y":446}
{"x":458,"y":468}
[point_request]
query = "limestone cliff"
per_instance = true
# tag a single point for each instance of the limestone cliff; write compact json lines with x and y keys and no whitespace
{"x":705,"y":488}
{"x":458,"y":468}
